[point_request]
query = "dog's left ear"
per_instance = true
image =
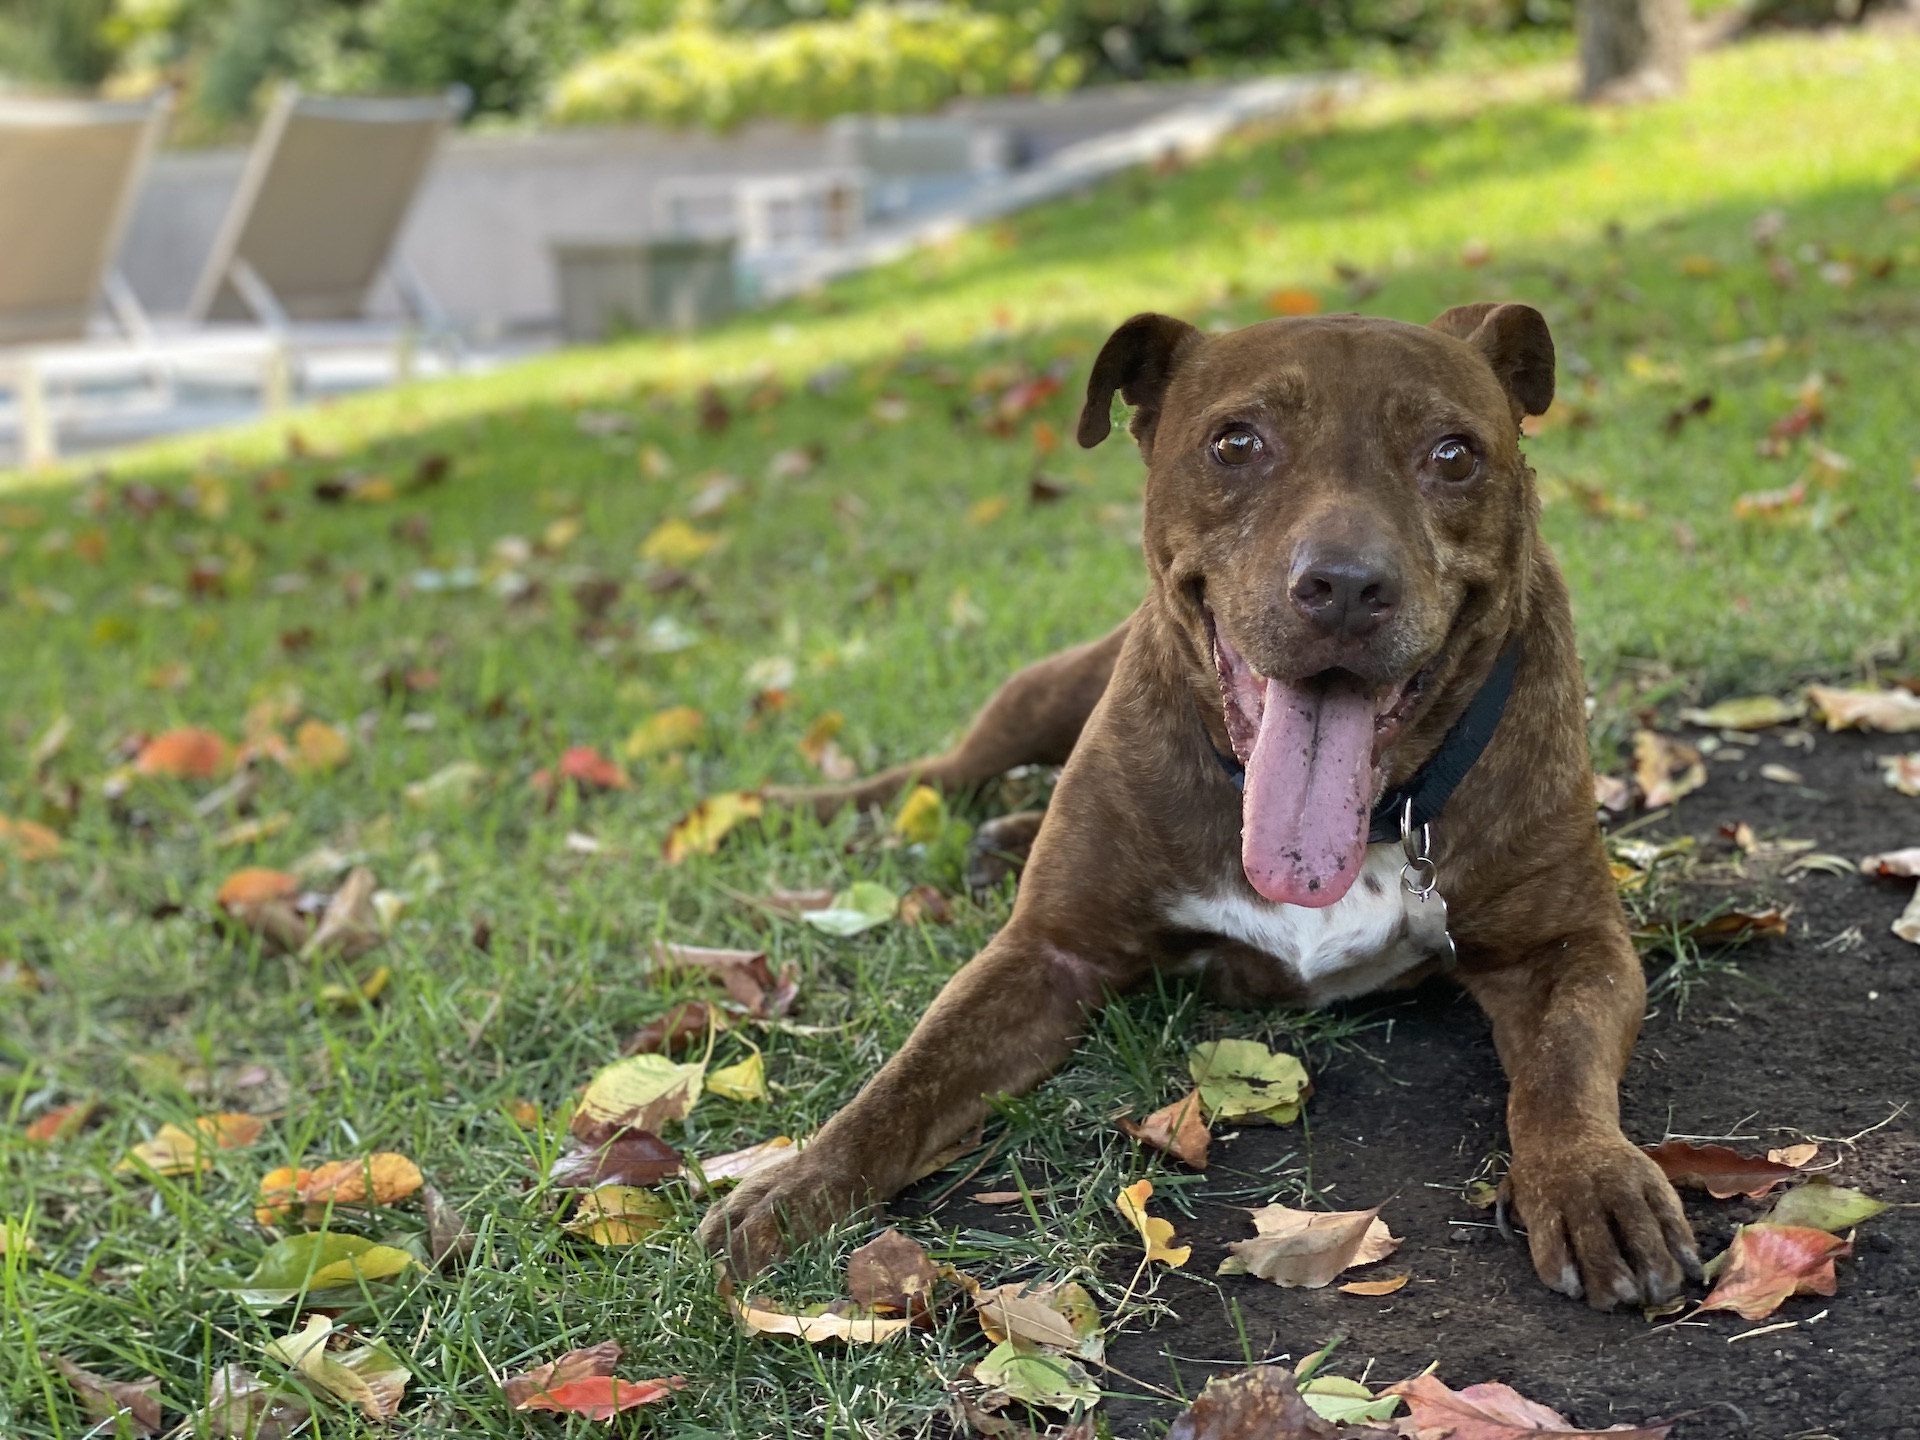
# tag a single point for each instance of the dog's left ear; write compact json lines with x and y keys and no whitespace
{"x":1138,"y":360}
{"x":1515,"y":341}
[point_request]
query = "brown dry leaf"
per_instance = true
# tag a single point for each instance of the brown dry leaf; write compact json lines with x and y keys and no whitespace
{"x":1739,"y":925}
{"x":1794,"y":1155}
{"x":62,"y":1123}
{"x":1722,"y":1172}
{"x":1308,"y":1248}
{"x":1892,"y":711}
{"x":923,"y":905}
{"x":890,"y":1272}
{"x":1665,"y":768}
{"x":738,"y":1164}
{"x":1263,"y":1403}
{"x":848,"y":1323}
{"x":1767,"y":1263}
{"x":1902,"y":772}
{"x":351,"y":926}
{"x":1496,"y":1412}
{"x":629,"y":1157}
{"x":745,"y":975}
{"x":575,"y":1365}
{"x":795,"y":903}
{"x":242,"y":1404}
{"x":701,"y":829}
{"x":107,"y":1400}
{"x":449,"y":1242}
{"x":1060,"y":1316}
{"x":678,"y":1028}
{"x":384,"y":1177}
{"x":1377,"y":1287}
{"x":1177,"y":1129}
{"x":174,"y":1151}
{"x":264,"y":901}
{"x":185,"y":754}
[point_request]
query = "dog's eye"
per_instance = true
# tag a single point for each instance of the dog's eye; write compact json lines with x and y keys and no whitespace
{"x":1453,"y":459}
{"x":1238,"y":447}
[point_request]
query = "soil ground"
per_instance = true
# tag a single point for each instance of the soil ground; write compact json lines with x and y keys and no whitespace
{"x":1812,"y":1036}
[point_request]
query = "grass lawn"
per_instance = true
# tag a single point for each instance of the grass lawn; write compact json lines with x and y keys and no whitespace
{"x":877,"y":554}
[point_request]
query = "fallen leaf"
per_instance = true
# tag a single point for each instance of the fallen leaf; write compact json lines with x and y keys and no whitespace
{"x":1377,"y":1287}
{"x":1794,"y":1155}
{"x":1748,"y":712}
{"x":1781,"y":774}
{"x":280,"y":1194}
{"x":701,"y":829}
{"x":240,"y":1404}
{"x":676,"y":1029}
{"x":641,"y":1092}
{"x":1308,"y":1248}
{"x":265,"y":902}
{"x":319,"y":748}
{"x":586,"y":768}
{"x":1036,"y":1377}
{"x":680,"y":727}
{"x":174,"y":1151}
{"x":618,"y":1215}
{"x":890,"y":1272}
{"x":923,"y":815}
{"x":453,"y":786}
{"x":1665,"y":769}
{"x":1243,"y":1079}
{"x":1821,"y":1205}
{"x":629,"y":1157}
{"x":1722,"y":1172}
{"x":1612,"y":794}
{"x":29,"y":840}
{"x":1293,"y":302}
{"x":853,"y":1326}
{"x":746,"y":975}
{"x":602,"y":1397}
{"x":1059,"y":1316}
{"x":675,"y":542}
{"x":1767,"y":1263}
{"x":1496,"y":1412}
{"x":1907,"y":924}
{"x":383,"y":1178}
{"x":138,"y":1401}
{"x":61,"y":1123}
{"x":985,"y":512}
{"x":1154,"y":1233}
{"x":185,"y":754}
{"x":1263,"y":1403}
{"x":924,"y":904}
{"x":738,"y":1164}
{"x":1891,"y":711}
{"x":1902,"y":772}
{"x":584,"y":1364}
{"x":320,"y":1261}
{"x":368,"y":1376}
{"x":745,"y":1081}
{"x":350,"y":926}
{"x":986,"y":1425}
{"x":449,"y":1242}
{"x":1344,"y":1401}
{"x":860,"y":907}
{"x":1177,"y":1130}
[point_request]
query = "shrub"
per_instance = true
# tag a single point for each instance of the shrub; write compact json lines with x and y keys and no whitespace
{"x":889,"y":59}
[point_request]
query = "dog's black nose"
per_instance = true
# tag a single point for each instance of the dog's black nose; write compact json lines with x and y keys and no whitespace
{"x":1344,"y":593}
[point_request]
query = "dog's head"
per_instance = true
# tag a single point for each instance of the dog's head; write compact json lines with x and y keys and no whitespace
{"x":1339,"y":519}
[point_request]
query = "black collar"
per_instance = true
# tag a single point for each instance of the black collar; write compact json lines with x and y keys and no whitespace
{"x":1429,"y":787}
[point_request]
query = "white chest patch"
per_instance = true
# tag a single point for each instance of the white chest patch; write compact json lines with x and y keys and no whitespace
{"x":1368,"y":938}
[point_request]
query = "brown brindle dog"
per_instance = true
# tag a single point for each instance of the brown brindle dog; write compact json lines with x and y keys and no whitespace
{"x":1342,"y":542}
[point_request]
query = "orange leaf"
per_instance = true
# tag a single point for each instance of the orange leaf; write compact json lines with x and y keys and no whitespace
{"x":320,"y":747}
{"x":1767,"y":1263}
{"x":573,"y":1366}
{"x":1376,"y":1287}
{"x":29,"y":839}
{"x":59,"y":1124}
{"x":1293,"y":302}
{"x":1176,"y":1129}
{"x":701,"y":829}
{"x":1495,"y":1412}
{"x":386,"y":1177}
{"x":279,"y":1193}
{"x":601,"y":1397}
{"x":254,"y":886}
{"x":1721,"y":1172}
{"x":185,"y":754}
{"x":232,"y":1130}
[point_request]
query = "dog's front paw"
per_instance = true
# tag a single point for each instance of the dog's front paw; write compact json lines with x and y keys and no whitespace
{"x":774,"y":1211}
{"x":1602,"y":1221}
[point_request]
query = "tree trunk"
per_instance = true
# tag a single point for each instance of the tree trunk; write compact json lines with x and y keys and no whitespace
{"x":1632,"y":49}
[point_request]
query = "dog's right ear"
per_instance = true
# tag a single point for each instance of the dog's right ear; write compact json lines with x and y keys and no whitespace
{"x":1516,"y":343}
{"x":1138,"y":360}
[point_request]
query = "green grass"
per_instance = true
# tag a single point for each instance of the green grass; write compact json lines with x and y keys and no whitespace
{"x":895,"y":609}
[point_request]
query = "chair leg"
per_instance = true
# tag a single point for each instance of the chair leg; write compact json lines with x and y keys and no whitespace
{"x":276,"y":379}
{"x":38,"y":442}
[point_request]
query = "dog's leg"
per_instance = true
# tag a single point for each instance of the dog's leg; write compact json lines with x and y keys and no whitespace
{"x":1003,"y":1023}
{"x":1033,"y":719}
{"x":1601,"y":1219}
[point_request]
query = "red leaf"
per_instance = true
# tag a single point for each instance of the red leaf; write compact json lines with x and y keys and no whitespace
{"x":575,"y":1365}
{"x":601,"y":1397}
{"x":676,"y":1029}
{"x":185,"y":754}
{"x":1767,"y":1263}
{"x":631,"y":1157}
{"x":1497,"y":1412}
{"x":1721,"y":1172}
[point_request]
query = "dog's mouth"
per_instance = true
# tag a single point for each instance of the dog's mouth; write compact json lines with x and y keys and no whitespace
{"x":1312,"y":749}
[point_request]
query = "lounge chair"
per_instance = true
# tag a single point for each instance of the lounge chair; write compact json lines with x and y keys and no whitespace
{"x":311,"y":229}
{"x":69,"y":171}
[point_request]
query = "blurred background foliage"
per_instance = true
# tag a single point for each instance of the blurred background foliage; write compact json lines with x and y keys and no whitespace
{"x":688,"y":61}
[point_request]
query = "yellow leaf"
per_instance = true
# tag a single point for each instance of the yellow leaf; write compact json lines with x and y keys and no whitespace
{"x":986,"y":511}
{"x":701,"y":829}
{"x":856,"y":1329}
{"x":641,"y":1092}
{"x":320,"y":748}
{"x":677,"y":728}
{"x":745,"y":1081}
{"x":174,"y":1151}
{"x":1154,"y":1234}
{"x":922,"y":817}
{"x":618,"y":1215}
{"x":1377,"y":1287}
{"x":675,"y":542}
{"x":367,"y":1376}
{"x":279,"y":1193}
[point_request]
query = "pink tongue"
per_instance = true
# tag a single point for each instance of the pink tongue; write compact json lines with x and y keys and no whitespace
{"x":1309,"y":789}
